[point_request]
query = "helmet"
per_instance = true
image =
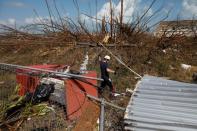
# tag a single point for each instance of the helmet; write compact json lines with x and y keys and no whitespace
{"x":107,"y":57}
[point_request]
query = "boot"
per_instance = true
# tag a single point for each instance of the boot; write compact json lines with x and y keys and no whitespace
{"x":111,"y":96}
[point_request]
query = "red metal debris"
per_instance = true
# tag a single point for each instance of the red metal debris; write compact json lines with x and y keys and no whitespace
{"x":76,"y":101}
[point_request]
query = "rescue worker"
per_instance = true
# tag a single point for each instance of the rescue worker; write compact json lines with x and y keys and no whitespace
{"x":105,"y":70}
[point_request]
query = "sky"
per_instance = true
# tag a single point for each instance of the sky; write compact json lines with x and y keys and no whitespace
{"x":22,"y":12}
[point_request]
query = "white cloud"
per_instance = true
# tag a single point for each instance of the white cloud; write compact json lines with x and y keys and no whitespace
{"x":105,"y":11}
{"x":16,"y":4}
{"x":189,"y":8}
{"x":38,"y":20}
{"x":128,"y":9}
{"x":11,"y":21}
{"x":129,"y":6}
{"x":32,"y":20}
{"x":2,"y":22}
{"x":8,"y":22}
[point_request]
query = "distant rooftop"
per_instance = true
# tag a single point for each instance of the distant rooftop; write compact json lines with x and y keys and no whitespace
{"x":179,"y":22}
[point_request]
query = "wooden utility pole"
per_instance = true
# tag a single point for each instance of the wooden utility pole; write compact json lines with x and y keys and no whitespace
{"x":121,"y":17}
{"x":103,"y":26}
{"x":111,"y":19}
{"x":96,"y":17}
{"x":121,"y":13}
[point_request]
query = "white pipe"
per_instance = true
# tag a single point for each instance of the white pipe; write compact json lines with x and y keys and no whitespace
{"x":61,"y":74}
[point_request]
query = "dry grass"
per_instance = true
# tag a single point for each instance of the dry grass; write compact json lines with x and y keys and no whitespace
{"x":182,"y":75}
{"x":148,"y":56}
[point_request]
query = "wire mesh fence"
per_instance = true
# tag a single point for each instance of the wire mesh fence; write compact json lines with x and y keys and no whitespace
{"x":40,"y":101}
{"x":26,"y":103}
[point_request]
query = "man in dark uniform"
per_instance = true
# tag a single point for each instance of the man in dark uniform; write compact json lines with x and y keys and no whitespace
{"x":105,"y":70}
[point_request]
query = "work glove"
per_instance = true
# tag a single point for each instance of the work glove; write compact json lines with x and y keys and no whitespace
{"x":115,"y":72}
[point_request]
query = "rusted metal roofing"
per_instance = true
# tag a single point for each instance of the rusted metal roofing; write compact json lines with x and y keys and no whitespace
{"x":160,"y":104}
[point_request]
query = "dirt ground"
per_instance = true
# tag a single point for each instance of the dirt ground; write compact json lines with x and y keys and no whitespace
{"x":146,"y":59}
{"x":88,"y":120}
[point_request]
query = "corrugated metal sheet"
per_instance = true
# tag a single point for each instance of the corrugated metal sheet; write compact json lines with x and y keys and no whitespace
{"x":160,"y":104}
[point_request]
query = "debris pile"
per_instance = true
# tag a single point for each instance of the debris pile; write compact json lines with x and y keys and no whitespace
{"x":39,"y":97}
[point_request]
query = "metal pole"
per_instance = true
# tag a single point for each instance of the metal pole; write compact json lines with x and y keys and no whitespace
{"x":105,"y":102}
{"x":102,"y":116}
{"x":67,"y":76}
{"x":61,"y":74}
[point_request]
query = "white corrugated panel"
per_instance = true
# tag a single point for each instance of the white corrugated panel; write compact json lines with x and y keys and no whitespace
{"x":160,"y":104}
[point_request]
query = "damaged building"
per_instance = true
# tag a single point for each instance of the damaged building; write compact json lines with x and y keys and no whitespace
{"x":182,"y":28}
